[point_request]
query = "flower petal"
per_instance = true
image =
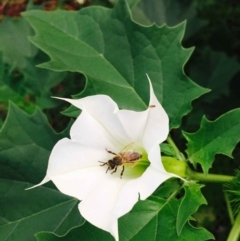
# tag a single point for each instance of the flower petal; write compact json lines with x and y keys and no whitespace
{"x":88,"y":131}
{"x":98,"y":206}
{"x":68,"y":156}
{"x":134,"y":123}
{"x":143,"y":186}
{"x":74,"y":164}
{"x":103,"y":109}
{"x":99,"y":192}
{"x":154,"y":157}
{"x":150,"y":180}
{"x":157,"y":126}
{"x":81,"y":182}
{"x":146,"y":127}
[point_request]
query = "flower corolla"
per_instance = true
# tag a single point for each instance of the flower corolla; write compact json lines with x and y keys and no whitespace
{"x":112,"y":159}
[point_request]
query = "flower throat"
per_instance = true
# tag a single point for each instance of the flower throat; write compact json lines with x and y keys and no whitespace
{"x":131,"y":156}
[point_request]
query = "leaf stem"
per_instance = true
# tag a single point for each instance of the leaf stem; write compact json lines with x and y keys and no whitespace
{"x":209,"y":177}
{"x":179,"y":155}
{"x":235,"y":231}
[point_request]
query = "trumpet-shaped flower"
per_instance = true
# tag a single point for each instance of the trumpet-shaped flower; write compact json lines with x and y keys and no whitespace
{"x":112,"y":158}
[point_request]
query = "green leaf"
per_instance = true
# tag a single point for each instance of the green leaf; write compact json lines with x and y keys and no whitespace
{"x":213,"y":137}
{"x":14,"y":42}
{"x":189,"y":203}
{"x":153,"y":219}
{"x":132,"y":3}
{"x":167,"y":189}
{"x":30,"y":85}
{"x":213,"y":70}
{"x":114,"y":53}
{"x":85,"y":232}
{"x":25,"y":212}
{"x":157,"y":222}
{"x":25,"y":145}
{"x":167,"y":149}
{"x":39,"y":81}
{"x":9,"y":85}
{"x":170,"y":12}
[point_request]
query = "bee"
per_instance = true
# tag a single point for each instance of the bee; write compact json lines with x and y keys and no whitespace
{"x":126,"y":155}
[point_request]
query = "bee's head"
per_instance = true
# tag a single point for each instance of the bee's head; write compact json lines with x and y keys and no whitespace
{"x":111,"y":164}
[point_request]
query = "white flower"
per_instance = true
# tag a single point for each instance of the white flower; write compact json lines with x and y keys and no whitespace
{"x":76,"y":165}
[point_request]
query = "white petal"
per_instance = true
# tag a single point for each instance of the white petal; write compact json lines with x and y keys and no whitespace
{"x":147,"y":127}
{"x":99,"y":192}
{"x":81,"y":182}
{"x":150,"y":180}
{"x":127,"y":198}
{"x":157,"y":126}
{"x":98,"y":206}
{"x":89,"y":132}
{"x":75,"y":170}
{"x":68,"y":156}
{"x":154,"y":157}
{"x":143,"y":186}
{"x":103,"y":109}
{"x":134,"y":123}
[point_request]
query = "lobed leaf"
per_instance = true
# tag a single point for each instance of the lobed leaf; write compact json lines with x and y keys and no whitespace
{"x":213,"y":70}
{"x":192,"y":199}
{"x":25,"y":212}
{"x":167,"y":149}
{"x":214,"y":137}
{"x":25,"y":145}
{"x":9,"y":87}
{"x":14,"y":43}
{"x":155,"y":219}
{"x":114,"y":54}
{"x":85,"y":232}
{"x":40,"y":81}
{"x":150,"y":220}
{"x":170,"y":12}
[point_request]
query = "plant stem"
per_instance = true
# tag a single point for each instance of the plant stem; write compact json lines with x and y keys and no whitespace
{"x":230,"y":213}
{"x":235,"y":231}
{"x":209,"y":177}
{"x":179,"y":155}
{"x":196,"y":175}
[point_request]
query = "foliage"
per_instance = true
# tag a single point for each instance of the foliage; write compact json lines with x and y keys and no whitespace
{"x":107,"y":47}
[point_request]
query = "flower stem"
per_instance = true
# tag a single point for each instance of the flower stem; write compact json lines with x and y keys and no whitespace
{"x":209,"y":177}
{"x":179,"y":155}
{"x":235,"y":231}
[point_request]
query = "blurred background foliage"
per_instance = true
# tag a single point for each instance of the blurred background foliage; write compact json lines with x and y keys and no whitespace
{"x":213,"y":27}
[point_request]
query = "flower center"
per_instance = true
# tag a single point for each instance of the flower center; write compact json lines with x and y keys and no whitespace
{"x":138,"y":168}
{"x":129,"y":163}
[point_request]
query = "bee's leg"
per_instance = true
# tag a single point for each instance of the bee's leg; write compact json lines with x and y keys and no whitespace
{"x":107,"y":169}
{"x":114,"y":170}
{"x":122,"y":172}
{"x":111,"y":152}
{"x":104,"y":163}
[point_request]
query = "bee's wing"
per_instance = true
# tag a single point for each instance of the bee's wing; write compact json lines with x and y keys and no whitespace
{"x":129,"y":147}
{"x":131,"y":152}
